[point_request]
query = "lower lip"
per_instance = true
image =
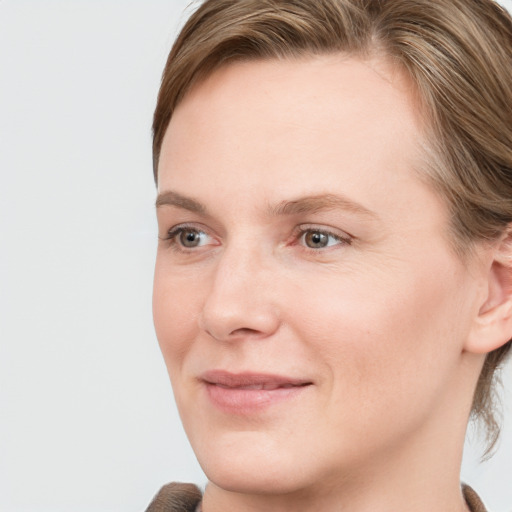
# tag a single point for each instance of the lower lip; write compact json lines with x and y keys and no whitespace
{"x":246,"y":401}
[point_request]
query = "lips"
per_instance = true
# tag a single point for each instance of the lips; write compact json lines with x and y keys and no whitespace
{"x":266,"y":386}
{"x":250,"y":392}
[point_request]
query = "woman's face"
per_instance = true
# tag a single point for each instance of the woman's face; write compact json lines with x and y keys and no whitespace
{"x":309,"y":307}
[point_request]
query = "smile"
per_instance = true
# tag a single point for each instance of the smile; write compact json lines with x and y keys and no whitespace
{"x":267,"y":386}
{"x":248,"y":393}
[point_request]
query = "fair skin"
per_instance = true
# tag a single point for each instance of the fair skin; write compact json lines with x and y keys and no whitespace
{"x":318,"y":329}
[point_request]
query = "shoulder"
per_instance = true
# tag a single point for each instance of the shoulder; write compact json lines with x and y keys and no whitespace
{"x":176,"y":497}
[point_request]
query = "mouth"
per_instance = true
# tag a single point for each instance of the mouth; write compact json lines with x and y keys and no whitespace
{"x":245,"y":393}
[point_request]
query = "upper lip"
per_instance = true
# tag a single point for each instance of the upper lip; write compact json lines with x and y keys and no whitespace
{"x":249,"y":380}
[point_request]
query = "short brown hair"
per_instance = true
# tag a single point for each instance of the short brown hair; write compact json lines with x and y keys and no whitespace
{"x":459,"y":56}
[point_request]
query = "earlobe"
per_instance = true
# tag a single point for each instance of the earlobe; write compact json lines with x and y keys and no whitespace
{"x":493,"y":325}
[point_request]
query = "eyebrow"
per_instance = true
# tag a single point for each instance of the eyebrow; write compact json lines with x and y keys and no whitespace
{"x":301,"y":205}
{"x":171,"y":198}
{"x":318,"y":203}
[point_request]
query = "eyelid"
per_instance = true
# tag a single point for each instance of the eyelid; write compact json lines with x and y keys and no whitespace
{"x":342,"y":236}
{"x":173,"y":233}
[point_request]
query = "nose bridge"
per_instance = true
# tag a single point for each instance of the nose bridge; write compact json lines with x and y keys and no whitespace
{"x":240,"y":301}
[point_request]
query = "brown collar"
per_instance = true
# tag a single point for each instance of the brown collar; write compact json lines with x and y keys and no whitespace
{"x":177,"y":497}
{"x":474,"y":502}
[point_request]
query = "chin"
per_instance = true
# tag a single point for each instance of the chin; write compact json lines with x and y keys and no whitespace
{"x":254,"y":479}
{"x":246,"y":463}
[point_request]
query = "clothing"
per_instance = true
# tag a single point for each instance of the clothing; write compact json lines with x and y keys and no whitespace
{"x":179,"y":497}
{"x":474,"y":502}
{"x":176,"y":497}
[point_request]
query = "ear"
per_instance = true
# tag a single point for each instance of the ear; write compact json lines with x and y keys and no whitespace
{"x":493,"y":325}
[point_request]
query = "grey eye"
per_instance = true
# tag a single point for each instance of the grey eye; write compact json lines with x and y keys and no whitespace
{"x":316,"y":239}
{"x":190,"y":238}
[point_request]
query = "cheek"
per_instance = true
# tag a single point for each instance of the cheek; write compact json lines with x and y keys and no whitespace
{"x":175,"y":312}
{"x":384,"y":335}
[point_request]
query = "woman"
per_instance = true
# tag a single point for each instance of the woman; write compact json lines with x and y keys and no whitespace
{"x":333,"y":284}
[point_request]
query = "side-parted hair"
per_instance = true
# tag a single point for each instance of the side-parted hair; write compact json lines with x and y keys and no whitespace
{"x":458,"y":54}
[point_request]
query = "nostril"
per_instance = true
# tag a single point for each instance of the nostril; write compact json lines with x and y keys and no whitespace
{"x":225,"y":319}
{"x":244,"y":331}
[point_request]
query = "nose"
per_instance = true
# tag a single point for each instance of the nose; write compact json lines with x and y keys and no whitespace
{"x":240,"y":302}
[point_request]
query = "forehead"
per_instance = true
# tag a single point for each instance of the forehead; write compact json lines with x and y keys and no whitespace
{"x":327,"y":122}
{"x":336,"y":94}
{"x":298,"y":84}
{"x":310,"y":79}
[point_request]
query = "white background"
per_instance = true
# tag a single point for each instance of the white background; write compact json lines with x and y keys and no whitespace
{"x":87,"y":420}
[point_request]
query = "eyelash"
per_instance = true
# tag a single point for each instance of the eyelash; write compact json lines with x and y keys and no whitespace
{"x":173,"y":234}
{"x":297,"y":237}
{"x":302,"y":231}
